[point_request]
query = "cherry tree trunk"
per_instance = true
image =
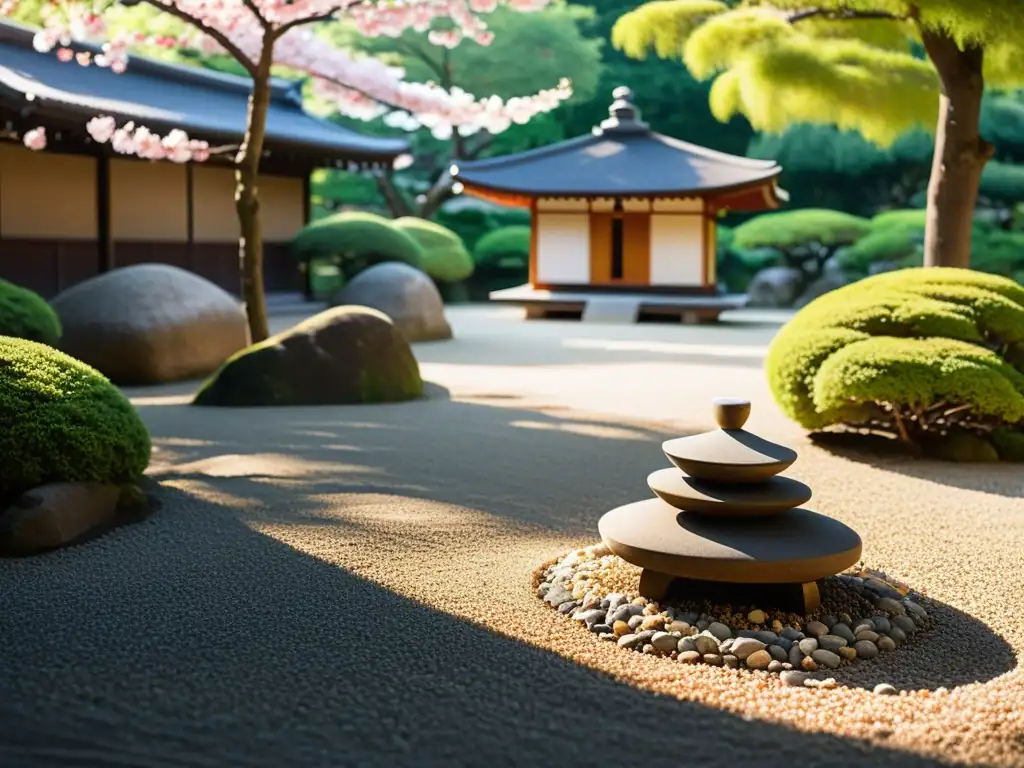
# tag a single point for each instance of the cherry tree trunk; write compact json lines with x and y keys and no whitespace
{"x":960,"y":152}
{"x":247,"y":204}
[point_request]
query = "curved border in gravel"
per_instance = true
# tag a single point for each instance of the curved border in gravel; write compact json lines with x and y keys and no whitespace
{"x":864,"y":613}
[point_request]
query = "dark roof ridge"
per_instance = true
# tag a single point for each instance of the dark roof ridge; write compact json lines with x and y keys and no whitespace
{"x":529,"y":154}
{"x":283,"y":91}
{"x":714,"y":154}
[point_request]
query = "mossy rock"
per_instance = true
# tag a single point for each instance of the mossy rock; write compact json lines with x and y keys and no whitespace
{"x":962,"y":447}
{"x":1009,"y":443}
{"x":445,"y":258}
{"x":63,"y":421}
{"x":913,"y":338}
{"x":344,"y":355}
{"x":354,"y":241}
{"x":24,"y":314}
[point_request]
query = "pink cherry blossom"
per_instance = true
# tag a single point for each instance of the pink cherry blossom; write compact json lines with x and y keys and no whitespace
{"x":360,"y":86}
{"x":35,"y":139}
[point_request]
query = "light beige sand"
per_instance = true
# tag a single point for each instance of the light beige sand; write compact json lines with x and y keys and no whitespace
{"x":351,"y":586}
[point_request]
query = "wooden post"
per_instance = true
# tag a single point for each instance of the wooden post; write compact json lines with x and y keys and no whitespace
{"x":104,"y":237}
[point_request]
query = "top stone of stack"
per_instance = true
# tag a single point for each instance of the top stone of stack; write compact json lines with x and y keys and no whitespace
{"x":729,"y":471}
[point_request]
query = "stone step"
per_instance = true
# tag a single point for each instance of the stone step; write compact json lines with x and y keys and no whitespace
{"x":619,"y":310}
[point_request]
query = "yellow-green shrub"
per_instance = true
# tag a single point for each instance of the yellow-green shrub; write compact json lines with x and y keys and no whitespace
{"x":925,"y":350}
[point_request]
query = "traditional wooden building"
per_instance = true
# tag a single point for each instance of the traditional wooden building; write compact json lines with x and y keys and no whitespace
{"x":77,"y":208}
{"x":624,"y":214}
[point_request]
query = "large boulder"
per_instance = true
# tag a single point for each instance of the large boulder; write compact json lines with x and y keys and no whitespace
{"x":342,"y":355}
{"x":828,"y":281}
{"x":63,"y":422}
{"x":403,"y":293}
{"x":151,"y":323}
{"x":775,"y":287}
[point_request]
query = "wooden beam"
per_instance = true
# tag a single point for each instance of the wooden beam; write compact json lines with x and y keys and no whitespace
{"x":307,"y":195}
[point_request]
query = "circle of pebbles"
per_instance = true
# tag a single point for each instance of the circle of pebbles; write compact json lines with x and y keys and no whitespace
{"x":863,"y":614}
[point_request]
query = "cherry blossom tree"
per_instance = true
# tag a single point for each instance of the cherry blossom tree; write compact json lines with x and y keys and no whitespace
{"x":263,"y":34}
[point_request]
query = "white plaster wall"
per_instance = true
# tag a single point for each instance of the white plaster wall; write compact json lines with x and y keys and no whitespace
{"x":563,"y":248}
{"x":677,"y":250}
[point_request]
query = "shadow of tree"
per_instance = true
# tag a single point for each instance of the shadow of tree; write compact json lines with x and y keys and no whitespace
{"x":1004,"y":478}
{"x":539,"y":471}
{"x":192,"y":640}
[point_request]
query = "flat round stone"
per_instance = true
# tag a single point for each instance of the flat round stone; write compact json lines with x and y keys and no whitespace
{"x":777,"y":494}
{"x":796,"y":546}
{"x":728,"y":455}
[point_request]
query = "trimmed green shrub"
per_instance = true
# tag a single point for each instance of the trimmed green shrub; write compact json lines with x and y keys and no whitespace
{"x":472,"y":222}
{"x":63,"y":421}
{"x":445,"y":258}
{"x":507,"y":247}
{"x":354,"y":241}
{"x":913,"y":353}
{"x":24,"y":314}
{"x":791,"y":231}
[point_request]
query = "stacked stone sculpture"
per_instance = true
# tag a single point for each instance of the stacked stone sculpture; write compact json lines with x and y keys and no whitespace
{"x":726,"y":527}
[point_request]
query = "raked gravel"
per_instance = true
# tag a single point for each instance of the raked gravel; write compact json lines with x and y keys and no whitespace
{"x":352,"y":586}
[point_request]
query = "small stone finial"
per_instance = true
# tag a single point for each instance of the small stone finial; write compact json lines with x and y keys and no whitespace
{"x":731,"y":412}
{"x":623,"y":116}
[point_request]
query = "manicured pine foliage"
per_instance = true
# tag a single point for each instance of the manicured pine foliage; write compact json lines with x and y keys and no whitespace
{"x":881,"y":67}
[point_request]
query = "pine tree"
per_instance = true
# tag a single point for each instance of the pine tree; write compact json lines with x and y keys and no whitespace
{"x":881,"y":67}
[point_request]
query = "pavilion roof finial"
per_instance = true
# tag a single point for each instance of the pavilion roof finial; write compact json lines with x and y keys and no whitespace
{"x":623,"y":115}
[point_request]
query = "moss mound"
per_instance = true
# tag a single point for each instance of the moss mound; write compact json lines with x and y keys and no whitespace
{"x":354,"y":241}
{"x":506,"y":248}
{"x":24,"y":314}
{"x":63,"y":421}
{"x":445,"y":258}
{"x":919,"y":353}
{"x":344,"y":355}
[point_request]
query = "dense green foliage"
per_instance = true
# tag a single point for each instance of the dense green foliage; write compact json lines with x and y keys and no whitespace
{"x":63,"y":421}
{"x":445,"y":258}
{"x":471,"y":218}
{"x":913,"y":353}
{"x":24,"y":314}
{"x":354,"y":241}
{"x":897,"y":237}
{"x":344,"y":355}
{"x":861,"y":74}
{"x":508,"y":247}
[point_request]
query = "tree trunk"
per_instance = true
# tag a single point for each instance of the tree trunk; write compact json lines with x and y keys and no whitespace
{"x":396,"y":202}
{"x":437,"y":195}
{"x":247,"y":167}
{"x":960,"y":152}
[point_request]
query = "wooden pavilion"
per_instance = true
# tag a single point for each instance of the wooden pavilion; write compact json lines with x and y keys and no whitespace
{"x":623,"y":220}
{"x":77,"y":209}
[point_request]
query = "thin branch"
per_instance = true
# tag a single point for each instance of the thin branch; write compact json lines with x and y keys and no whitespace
{"x":419,"y":53}
{"x":842,"y":15}
{"x":220,"y":37}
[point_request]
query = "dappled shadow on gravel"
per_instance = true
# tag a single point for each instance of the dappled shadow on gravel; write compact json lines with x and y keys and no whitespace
{"x":193,"y":641}
{"x":1003,"y":478}
{"x":552,"y":471}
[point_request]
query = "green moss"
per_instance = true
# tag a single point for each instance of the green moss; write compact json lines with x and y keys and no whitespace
{"x":962,"y":447}
{"x":507,"y":247}
{"x":445,"y":258}
{"x":912,"y":339}
{"x":63,"y":421}
{"x":24,"y":314}
{"x":355,"y":241}
{"x":1009,"y":443}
